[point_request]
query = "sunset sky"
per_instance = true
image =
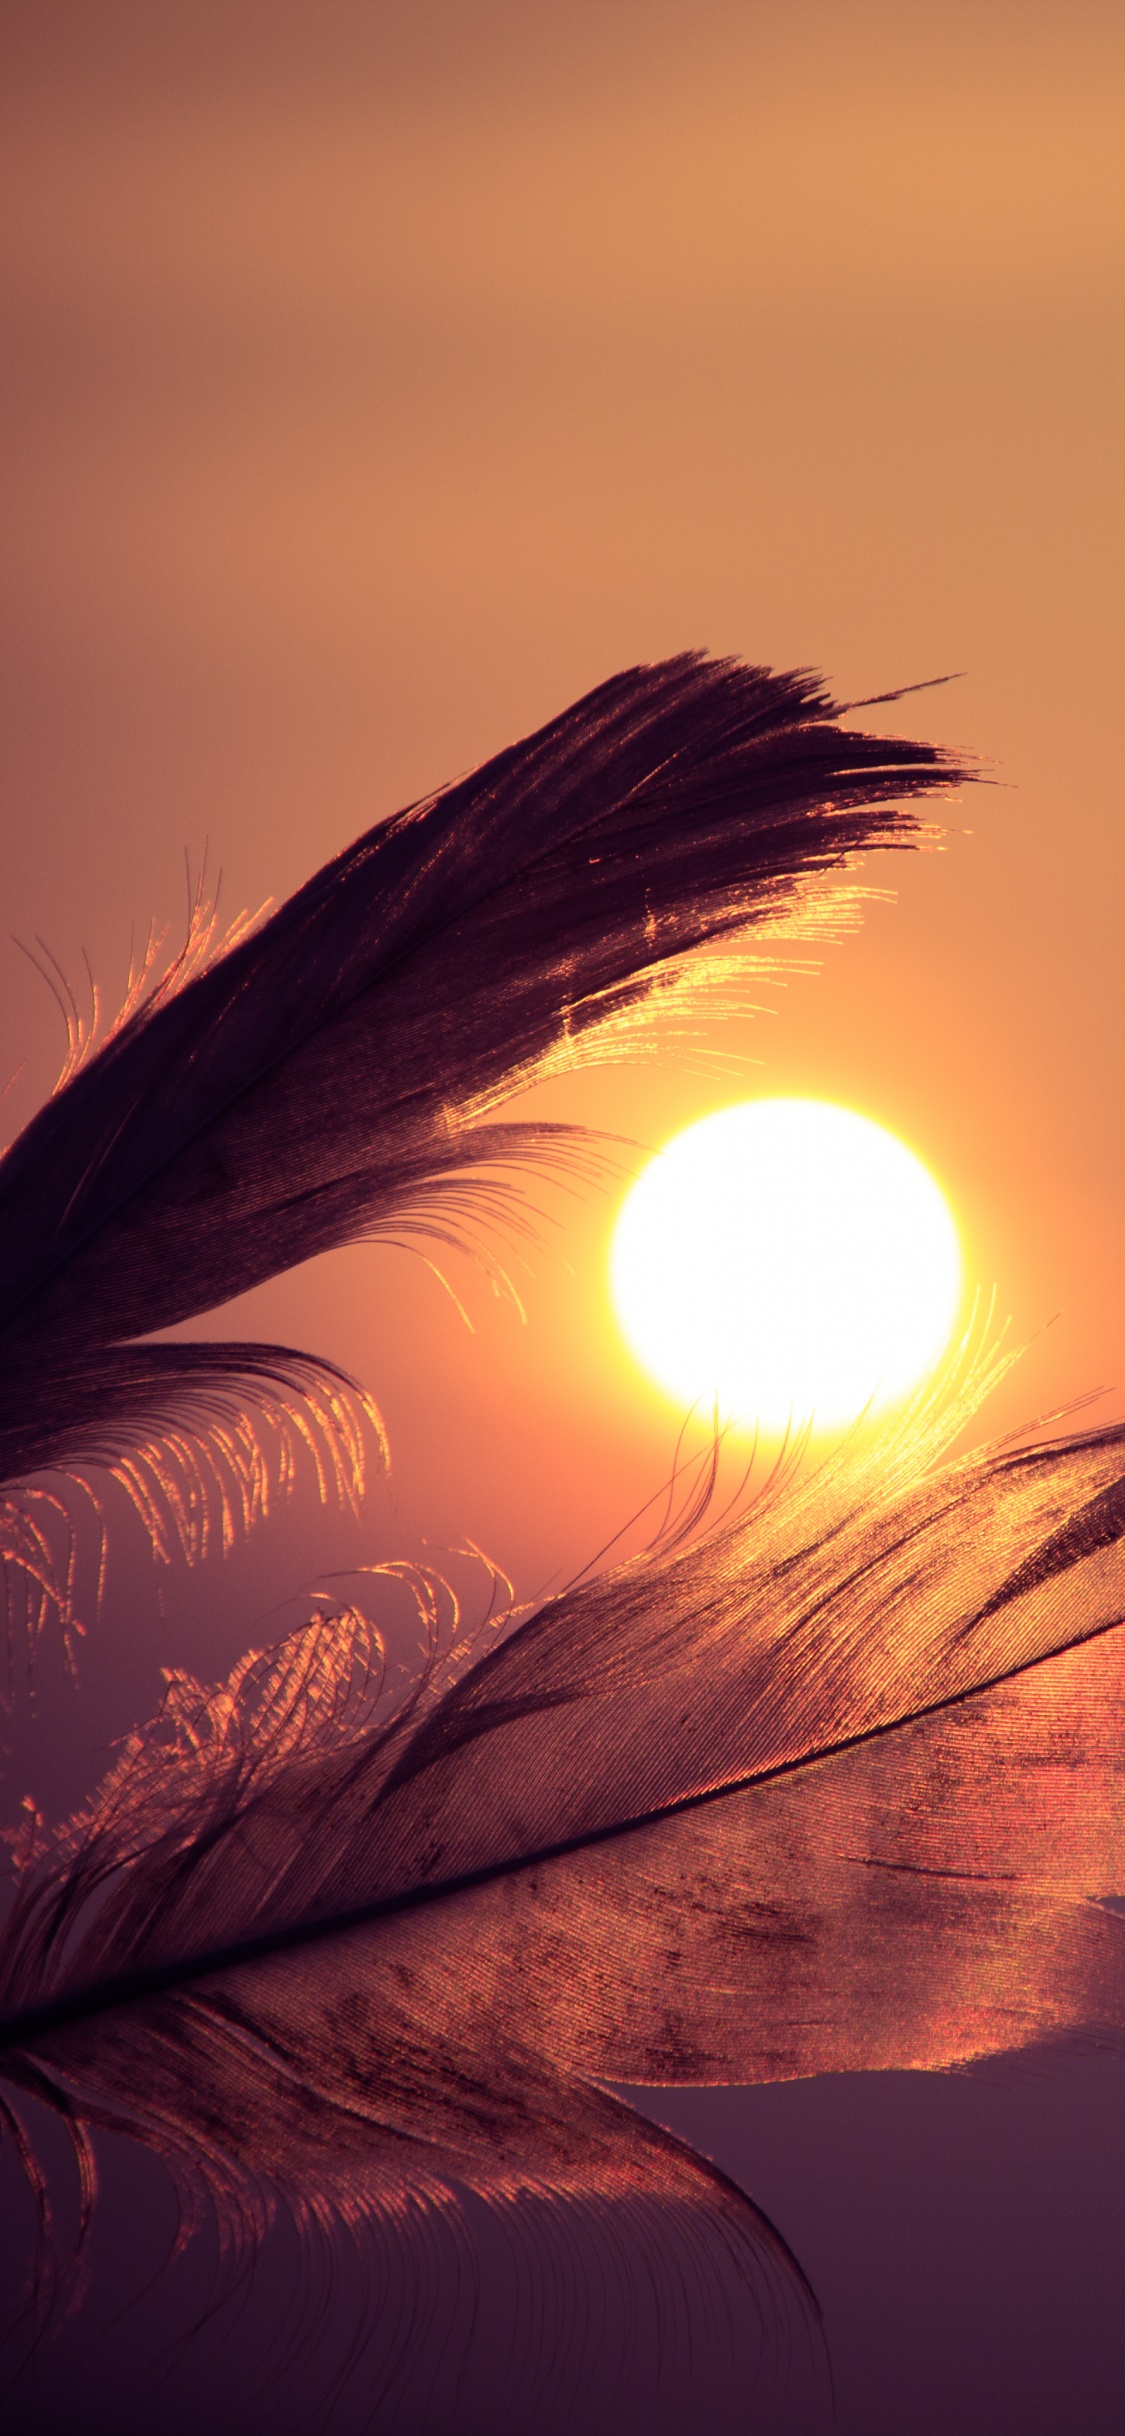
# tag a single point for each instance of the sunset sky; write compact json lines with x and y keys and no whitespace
{"x":379,"y":377}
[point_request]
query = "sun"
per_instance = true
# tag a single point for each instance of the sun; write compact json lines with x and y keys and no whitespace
{"x":789,"y":1261}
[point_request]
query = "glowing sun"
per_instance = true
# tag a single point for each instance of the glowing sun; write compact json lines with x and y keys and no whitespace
{"x":791,"y":1261}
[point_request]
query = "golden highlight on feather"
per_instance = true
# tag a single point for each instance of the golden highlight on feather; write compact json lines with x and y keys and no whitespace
{"x":38,"y":1572}
{"x":202,"y":1456}
{"x":152,"y":978}
{"x":191,"y":1488}
{"x":717,"y":983}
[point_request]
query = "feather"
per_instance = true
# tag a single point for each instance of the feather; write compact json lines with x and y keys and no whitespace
{"x":201,"y":1437}
{"x":316,"y":1082}
{"x":842,"y":1785}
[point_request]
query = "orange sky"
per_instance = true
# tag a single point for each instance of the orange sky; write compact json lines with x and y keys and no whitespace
{"x":379,"y":378}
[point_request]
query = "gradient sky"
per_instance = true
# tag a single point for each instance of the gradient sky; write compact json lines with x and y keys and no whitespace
{"x":377,"y":378}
